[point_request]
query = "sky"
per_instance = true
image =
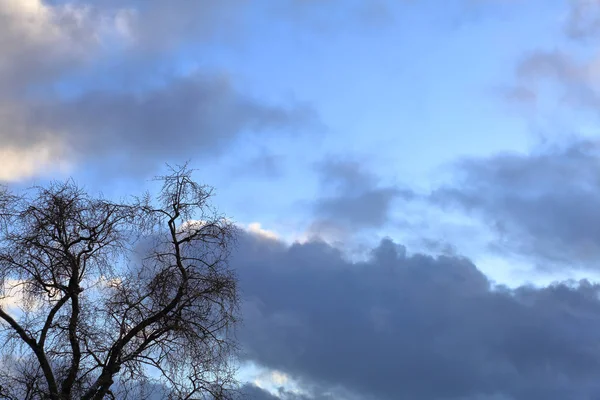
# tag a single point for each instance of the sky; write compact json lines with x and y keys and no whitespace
{"x":418,"y":180}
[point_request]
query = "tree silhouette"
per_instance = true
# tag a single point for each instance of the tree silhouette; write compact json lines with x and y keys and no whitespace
{"x":101,"y":299}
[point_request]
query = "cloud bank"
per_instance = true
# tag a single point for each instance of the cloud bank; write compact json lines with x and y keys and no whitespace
{"x":414,"y":326}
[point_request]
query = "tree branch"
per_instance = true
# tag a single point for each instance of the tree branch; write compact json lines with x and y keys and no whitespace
{"x":39,"y":352}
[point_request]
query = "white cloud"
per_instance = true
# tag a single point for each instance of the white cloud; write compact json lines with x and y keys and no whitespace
{"x":11,"y":297}
{"x":257,"y":229}
{"x":21,"y":163}
{"x":273,"y":381}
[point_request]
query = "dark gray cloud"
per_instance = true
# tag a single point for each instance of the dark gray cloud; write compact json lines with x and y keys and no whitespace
{"x":195,"y":115}
{"x":353,"y":198}
{"x":253,"y":392}
{"x":543,"y":204}
{"x":414,"y":326}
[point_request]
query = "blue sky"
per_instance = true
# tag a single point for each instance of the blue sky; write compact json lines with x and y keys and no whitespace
{"x":461,"y":128}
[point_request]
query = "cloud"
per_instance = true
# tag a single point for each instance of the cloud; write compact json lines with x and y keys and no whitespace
{"x":583,"y":21}
{"x":153,"y":25}
{"x":556,"y":64}
{"x":557,"y":81}
{"x":518,"y":94}
{"x":414,"y":326}
{"x":566,"y":74}
{"x":22,"y":163}
{"x":265,"y":165}
{"x":277,"y":385}
{"x":11,"y":295}
{"x":42,"y":41}
{"x":191,"y":115}
{"x":336,"y":16}
{"x":352,"y":198}
{"x":257,"y":229}
{"x":253,"y":392}
{"x":61,"y":101}
{"x":543,"y":205}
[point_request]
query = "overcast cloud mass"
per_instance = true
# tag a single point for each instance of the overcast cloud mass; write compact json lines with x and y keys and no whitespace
{"x":414,"y":326}
{"x":410,"y":175}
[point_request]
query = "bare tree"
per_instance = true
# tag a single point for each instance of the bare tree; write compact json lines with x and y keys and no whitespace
{"x":100,"y":298}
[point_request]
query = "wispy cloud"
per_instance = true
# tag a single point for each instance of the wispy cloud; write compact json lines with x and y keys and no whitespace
{"x":352,"y":198}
